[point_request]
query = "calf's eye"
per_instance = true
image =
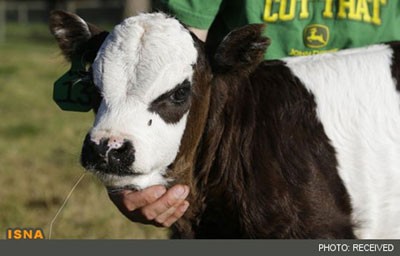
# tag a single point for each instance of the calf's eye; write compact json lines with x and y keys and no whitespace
{"x":173,"y":104}
{"x":180,"y":95}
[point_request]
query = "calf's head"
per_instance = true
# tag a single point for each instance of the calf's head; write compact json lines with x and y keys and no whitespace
{"x":144,"y":70}
{"x":147,"y":71}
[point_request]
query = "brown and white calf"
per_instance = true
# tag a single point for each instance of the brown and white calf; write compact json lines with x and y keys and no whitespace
{"x":305,"y":147}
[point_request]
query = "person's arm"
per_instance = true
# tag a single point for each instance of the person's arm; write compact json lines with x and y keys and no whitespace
{"x":154,"y":205}
{"x":198,"y":15}
{"x":200,"y":33}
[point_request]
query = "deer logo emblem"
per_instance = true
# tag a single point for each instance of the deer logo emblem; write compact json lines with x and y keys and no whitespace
{"x":316,"y":36}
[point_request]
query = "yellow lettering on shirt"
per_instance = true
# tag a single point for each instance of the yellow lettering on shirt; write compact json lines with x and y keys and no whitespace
{"x":328,"y":13}
{"x":362,"y":12}
{"x":268,"y":15}
{"x":284,"y":13}
{"x":376,"y":7}
{"x":304,"y":9}
{"x":368,"y":11}
{"x":346,"y":9}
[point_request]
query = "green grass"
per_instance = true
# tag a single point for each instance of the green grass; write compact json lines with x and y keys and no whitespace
{"x":40,"y":147}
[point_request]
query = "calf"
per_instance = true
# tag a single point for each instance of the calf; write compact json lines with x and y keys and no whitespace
{"x":305,"y":147}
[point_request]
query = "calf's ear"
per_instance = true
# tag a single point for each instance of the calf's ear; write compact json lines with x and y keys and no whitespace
{"x":75,"y":36}
{"x":242,"y":49}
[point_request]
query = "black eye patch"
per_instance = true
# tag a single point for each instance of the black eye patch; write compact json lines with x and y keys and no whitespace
{"x":172,"y":105}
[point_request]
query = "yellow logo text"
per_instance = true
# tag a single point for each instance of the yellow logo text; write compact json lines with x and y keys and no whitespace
{"x":368,"y":11}
{"x":297,"y":52}
{"x":24,"y":233}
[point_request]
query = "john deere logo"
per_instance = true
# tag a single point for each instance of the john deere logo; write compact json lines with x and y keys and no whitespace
{"x":316,"y":36}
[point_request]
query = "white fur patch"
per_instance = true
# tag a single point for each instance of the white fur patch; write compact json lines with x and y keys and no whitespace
{"x":144,"y":57}
{"x":359,"y":106}
{"x":136,"y":182}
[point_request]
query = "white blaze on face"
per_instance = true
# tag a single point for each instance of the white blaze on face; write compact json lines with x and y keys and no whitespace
{"x":143,"y":58}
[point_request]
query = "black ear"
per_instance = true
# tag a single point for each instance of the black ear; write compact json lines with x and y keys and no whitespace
{"x":242,"y":49}
{"x":75,"y":36}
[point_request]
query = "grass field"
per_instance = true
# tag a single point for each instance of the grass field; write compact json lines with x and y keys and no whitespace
{"x":40,"y":147}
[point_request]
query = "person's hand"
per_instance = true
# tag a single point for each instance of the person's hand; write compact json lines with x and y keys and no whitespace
{"x":154,"y":205}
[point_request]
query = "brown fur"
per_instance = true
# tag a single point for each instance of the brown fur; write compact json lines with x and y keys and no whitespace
{"x":183,"y":169}
{"x":76,"y":40}
{"x":264,"y":167}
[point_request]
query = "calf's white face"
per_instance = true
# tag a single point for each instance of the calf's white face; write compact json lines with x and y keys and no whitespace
{"x":144,"y":71}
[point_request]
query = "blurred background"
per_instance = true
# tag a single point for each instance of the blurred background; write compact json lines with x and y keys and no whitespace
{"x":40,"y":144}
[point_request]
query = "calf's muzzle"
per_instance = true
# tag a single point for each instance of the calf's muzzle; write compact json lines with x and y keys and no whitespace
{"x":108,"y":155}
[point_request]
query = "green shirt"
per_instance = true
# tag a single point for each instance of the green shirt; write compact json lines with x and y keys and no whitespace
{"x":296,"y":27}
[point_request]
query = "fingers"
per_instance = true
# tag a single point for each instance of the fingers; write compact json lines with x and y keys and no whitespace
{"x":176,"y":215}
{"x":154,"y":205}
{"x":137,"y":199}
{"x":173,"y":198}
{"x":128,"y":200}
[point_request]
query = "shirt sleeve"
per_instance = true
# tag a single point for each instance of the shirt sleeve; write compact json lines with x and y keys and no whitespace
{"x":194,"y":13}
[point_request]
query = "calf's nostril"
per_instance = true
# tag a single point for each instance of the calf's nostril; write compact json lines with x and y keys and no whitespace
{"x":102,"y":147}
{"x":124,"y":154}
{"x":109,"y":155}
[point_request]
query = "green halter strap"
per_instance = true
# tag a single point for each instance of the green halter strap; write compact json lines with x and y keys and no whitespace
{"x":74,"y":90}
